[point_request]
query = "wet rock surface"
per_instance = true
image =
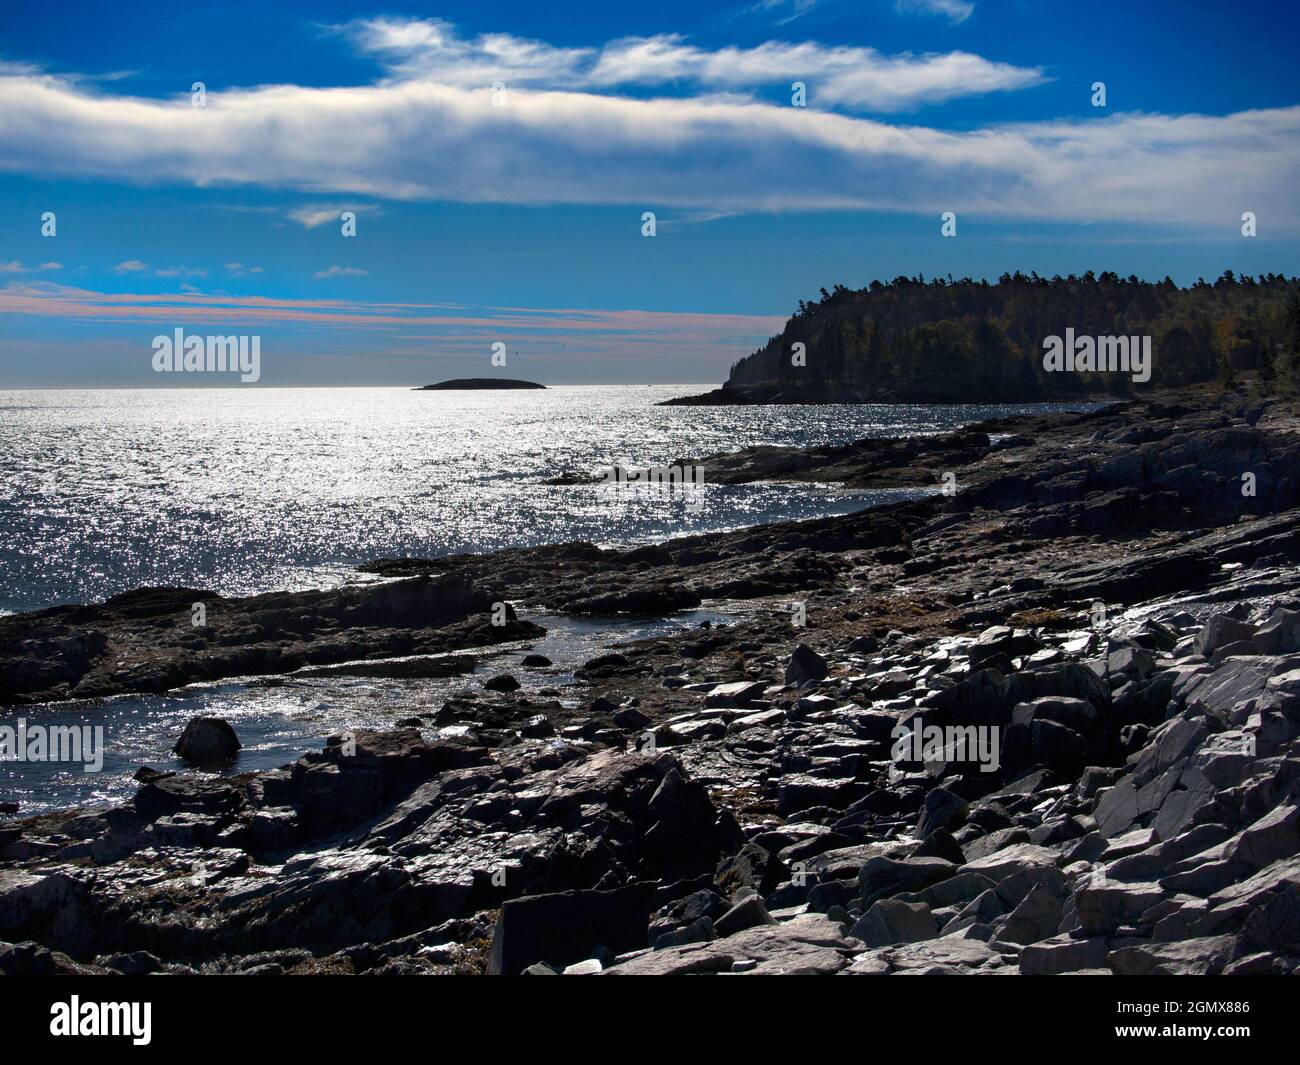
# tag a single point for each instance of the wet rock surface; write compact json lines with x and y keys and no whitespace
{"x":1049,"y":725}
{"x":157,"y":639}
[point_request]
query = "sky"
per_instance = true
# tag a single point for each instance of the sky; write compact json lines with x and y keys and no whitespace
{"x":501,"y":158}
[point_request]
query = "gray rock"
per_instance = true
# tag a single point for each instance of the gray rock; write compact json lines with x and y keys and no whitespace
{"x":1105,"y":907}
{"x":811,"y":944}
{"x":1219,"y":630}
{"x":1037,"y":917}
{"x":748,"y":913}
{"x":890,"y":921}
{"x":947,"y":955}
{"x":1063,"y":953}
{"x":881,"y":877}
{"x":1206,"y":956}
{"x":738,"y":693}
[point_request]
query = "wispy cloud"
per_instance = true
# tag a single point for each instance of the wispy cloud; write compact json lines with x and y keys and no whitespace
{"x":340,"y":271}
{"x":180,"y":271}
{"x":954,"y":10}
{"x":239,"y":269}
{"x":780,"y":11}
{"x":13,"y":266}
{"x":313,"y":215}
{"x":848,"y":77}
{"x":574,"y":341}
{"x":48,"y":299}
{"x":131,"y":266}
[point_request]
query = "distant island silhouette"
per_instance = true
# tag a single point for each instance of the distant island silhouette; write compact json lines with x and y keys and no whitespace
{"x":465,"y":383}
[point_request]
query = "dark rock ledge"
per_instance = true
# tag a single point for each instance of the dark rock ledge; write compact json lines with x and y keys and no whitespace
{"x":146,"y":640}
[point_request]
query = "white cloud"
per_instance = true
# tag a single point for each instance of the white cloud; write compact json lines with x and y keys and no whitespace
{"x":955,"y":10}
{"x":312,"y":215}
{"x":419,"y":139}
{"x":422,"y":48}
{"x":180,"y":271}
{"x":130,"y":266}
{"x":856,"y":78}
{"x":341,"y":271}
{"x":239,"y":269}
{"x":13,"y":266}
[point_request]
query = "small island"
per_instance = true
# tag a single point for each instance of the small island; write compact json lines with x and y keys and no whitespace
{"x":466,"y":383}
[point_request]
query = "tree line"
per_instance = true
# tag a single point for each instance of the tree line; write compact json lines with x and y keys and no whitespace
{"x":945,"y":340}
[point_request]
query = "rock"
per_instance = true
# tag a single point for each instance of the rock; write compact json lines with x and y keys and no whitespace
{"x":1063,"y":954}
{"x":811,"y":944}
{"x":567,"y":927}
{"x":1275,"y":925}
{"x":207,"y":740}
{"x":890,"y":921}
{"x":536,"y":661}
{"x":748,"y":913}
{"x":1002,"y":641}
{"x":881,"y":877}
{"x":503,"y":682}
{"x":950,"y":955}
{"x":1104,"y":907}
{"x":941,"y":844}
{"x":1222,"y":629}
{"x":136,"y":963}
{"x":1273,"y":837}
{"x":740,"y":693}
{"x":805,"y":665}
{"x":629,"y":717}
{"x":942,"y":810}
{"x":1207,"y":956}
{"x":537,"y":727}
{"x":1280,"y":634}
{"x":1037,"y":917}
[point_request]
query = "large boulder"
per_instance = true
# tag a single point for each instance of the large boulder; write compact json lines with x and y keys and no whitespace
{"x":207,"y":740}
{"x":892,"y":921}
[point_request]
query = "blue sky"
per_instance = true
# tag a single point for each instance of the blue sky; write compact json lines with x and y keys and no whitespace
{"x":499,"y":158}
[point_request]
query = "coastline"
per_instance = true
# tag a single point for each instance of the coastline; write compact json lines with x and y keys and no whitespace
{"x":966,"y":609}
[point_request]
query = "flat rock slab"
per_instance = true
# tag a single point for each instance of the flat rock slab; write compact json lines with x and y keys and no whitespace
{"x":950,"y":955}
{"x":809,"y":945}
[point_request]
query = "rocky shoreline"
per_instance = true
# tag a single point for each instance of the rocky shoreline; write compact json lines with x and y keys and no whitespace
{"x":1106,"y":613}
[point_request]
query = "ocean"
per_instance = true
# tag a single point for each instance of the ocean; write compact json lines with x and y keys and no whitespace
{"x":250,"y":490}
